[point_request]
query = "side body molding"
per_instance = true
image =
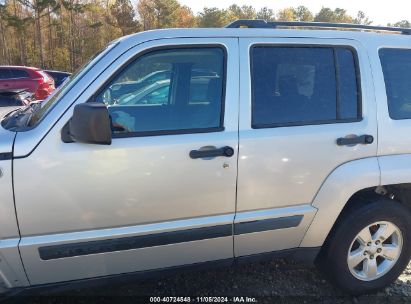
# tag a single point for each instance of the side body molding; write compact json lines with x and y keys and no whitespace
{"x":334,"y":193}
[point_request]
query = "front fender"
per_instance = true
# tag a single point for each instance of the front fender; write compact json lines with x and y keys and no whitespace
{"x":335,"y":192}
{"x":11,"y":268}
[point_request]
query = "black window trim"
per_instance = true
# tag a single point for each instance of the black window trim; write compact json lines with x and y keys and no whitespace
{"x":124,"y":66}
{"x":338,"y":85}
{"x":312,"y":122}
{"x":383,"y":75}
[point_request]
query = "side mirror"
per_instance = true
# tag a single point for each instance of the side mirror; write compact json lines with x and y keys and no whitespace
{"x":90,"y":124}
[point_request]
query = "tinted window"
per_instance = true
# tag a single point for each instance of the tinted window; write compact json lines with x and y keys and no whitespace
{"x":19,"y":74}
{"x":9,"y":101}
{"x":165,"y":91}
{"x":5,"y":74}
{"x":303,"y":85}
{"x":396,"y":66}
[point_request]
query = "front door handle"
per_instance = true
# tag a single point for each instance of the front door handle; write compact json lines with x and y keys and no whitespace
{"x":352,"y":140}
{"x":209,"y":152}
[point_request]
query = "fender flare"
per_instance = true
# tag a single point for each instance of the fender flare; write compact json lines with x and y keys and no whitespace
{"x":335,"y":192}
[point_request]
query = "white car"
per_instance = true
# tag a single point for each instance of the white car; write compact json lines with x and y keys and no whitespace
{"x":297,"y":145}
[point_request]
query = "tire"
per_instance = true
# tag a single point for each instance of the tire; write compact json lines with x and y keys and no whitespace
{"x":382,"y":264}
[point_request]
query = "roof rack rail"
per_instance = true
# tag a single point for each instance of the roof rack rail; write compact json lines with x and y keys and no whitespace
{"x":257,"y":23}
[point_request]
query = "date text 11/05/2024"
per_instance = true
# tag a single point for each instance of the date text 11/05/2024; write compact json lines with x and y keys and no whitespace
{"x":237,"y":299}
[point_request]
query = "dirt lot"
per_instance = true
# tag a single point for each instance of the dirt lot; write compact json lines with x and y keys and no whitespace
{"x":268,"y":282}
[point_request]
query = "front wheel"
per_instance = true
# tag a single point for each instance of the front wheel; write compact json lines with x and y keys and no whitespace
{"x":369,"y":247}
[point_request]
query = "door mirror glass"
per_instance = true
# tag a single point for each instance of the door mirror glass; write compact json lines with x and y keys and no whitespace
{"x":90,"y":124}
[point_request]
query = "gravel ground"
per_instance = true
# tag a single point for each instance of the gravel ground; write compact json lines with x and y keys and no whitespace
{"x":276,"y":281}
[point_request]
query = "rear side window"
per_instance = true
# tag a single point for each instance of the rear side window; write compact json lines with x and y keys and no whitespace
{"x":168,"y":91}
{"x":19,"y":74}
{"x":396,"y":66}
{"x":5,"y":74}
{"x":303,"y":85}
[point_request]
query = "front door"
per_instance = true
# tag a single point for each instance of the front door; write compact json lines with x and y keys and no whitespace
{"x":163,"y":193}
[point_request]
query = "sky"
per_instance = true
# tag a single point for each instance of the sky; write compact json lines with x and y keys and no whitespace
{"x":380,"y":12}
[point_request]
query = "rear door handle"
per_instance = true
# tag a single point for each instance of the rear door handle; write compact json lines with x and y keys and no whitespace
{"x":209,"y":152}
{"x":352,"y":140}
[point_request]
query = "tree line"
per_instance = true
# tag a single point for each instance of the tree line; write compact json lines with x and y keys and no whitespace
{"x":64,"y":34}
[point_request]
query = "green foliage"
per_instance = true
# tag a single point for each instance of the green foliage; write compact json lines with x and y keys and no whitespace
{"x":213,"y":17}
{"x":236,"y":12}
{"x":287,"y":14}
{"x":124,"y":15}
{"x":61,"y":59}
{"x":156,"y":14}
{"x":338,"y":15}
{"x":403,"y":23}
{"x":362,"y":19}
{"x":302,"y":13}
{"x":266,"y":14}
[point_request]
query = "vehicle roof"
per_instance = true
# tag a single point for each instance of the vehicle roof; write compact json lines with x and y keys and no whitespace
{"x":382,"y":38}
{"x":18,"y":67}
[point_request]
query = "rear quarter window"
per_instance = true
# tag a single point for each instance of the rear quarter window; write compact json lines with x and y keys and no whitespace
{"x":19,"y":74}
{"x":396,"y":67}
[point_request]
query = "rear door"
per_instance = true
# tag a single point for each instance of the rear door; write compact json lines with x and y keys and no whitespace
{"x":307,"y":106}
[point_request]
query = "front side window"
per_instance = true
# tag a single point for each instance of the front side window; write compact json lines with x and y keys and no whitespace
{"x":396,"y":66}
{"x":303,"y":85}
{"x":167,"y":91}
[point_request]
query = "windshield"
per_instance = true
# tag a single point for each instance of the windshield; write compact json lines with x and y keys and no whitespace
{"x":53,"y":99}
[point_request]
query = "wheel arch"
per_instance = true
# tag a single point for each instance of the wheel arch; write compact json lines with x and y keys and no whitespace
{"x":342,"y":184}
{"x":358,"y":182}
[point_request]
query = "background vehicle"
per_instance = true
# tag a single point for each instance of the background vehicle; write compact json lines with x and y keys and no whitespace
{"x":13,"y":99}
{"x":294,"y":145}
{"x":158,"y":92}
{"x":125,"y":86}
{"x":58,"y":76}
{"x":30,"y":79}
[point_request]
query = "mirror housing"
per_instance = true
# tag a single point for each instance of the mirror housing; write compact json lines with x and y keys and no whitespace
{"x":90,"y":124}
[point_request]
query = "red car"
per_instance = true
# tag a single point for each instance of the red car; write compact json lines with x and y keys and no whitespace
{"x":32,"y":80}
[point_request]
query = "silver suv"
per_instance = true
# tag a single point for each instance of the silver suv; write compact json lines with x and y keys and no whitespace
{"x":288,"y":142}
